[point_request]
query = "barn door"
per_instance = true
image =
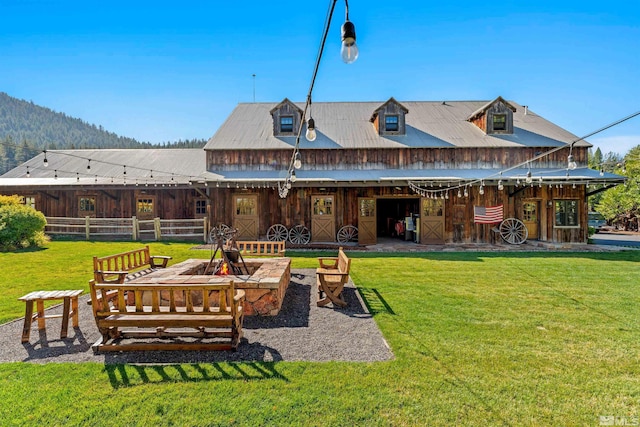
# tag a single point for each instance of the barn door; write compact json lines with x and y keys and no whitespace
{"x":245,"y":216}
{"x":367,"y":234}
{"x":432,"y":221}
{"x":323,"y":221}
{"x":530,"y":218}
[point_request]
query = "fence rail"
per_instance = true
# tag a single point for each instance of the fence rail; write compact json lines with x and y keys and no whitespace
{"x":129,"y":228}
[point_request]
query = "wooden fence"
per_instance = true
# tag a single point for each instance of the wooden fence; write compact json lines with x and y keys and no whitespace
{"x":128,"y":228}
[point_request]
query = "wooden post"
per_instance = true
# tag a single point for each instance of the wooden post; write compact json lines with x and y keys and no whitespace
{"x":135,"y":228}
{"x":205,"y":228}
{"x":156,"y":228}
{"x":87,"y":227}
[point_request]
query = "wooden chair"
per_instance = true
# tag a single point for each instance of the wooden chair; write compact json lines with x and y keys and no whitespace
{"x":332,"y":275}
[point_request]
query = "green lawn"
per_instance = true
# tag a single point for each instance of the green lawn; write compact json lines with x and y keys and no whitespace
{"x":479,"y":339}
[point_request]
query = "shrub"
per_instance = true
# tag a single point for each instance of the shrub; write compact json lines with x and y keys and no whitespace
{"x":20,"y":225}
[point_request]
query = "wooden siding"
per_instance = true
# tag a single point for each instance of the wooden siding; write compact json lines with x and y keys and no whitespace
{"x":407,"y":158}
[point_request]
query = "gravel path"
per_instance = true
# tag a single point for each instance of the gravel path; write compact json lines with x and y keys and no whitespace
{"x":301,"y":331}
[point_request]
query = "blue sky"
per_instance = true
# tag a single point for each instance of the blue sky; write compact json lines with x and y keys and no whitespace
{"x":161,"y":71}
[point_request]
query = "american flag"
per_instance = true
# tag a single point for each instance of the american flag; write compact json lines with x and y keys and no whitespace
{"x":487,"y":215}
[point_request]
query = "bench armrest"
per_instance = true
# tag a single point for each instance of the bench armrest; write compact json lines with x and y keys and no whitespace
{"x":100,"y":276}
{"x":239,"y":296}
{"x":330,"y":272}
{"x":161,"y":261}
{"x":328,"y":262}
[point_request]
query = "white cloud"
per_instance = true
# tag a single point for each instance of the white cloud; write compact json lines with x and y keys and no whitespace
{"x":620,"y":144}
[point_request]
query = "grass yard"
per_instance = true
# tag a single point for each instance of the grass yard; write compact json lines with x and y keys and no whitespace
{"x":479,"y":339}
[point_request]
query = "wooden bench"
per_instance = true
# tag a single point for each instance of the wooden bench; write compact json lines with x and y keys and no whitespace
{"x":332,"y":275}
{"x":212,"y":312}
{"x":126,"y":265}
{"x":263,"y":248}
{"x":70,"y":308}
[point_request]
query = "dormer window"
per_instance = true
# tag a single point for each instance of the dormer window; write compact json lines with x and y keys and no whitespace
{"x":499,"y":122}
{"x":389,"y":118}
{"x":391,"y":123}
{"x":495,"y":117}
{"x":286,"y":124}
{"x":286,"y":118}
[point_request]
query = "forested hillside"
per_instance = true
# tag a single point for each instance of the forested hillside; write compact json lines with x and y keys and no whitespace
{"x":26,"y":129}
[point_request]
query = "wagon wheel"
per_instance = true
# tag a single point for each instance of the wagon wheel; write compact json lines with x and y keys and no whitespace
{"x":299,"y":235}
{"x":221,"y":230}
{"x":277,"y":232}
{"x":513,"y":231}
{"x":347,"y":234}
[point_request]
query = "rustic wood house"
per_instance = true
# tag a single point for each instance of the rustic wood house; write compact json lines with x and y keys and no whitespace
{"x":410,"y":170}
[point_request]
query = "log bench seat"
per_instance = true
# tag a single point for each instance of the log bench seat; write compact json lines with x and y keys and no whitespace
{"x":332,"y":275}
{"x":212,"y":314}
{"x":126,"y":265}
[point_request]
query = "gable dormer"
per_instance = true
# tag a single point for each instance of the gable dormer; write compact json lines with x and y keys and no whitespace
{"x":389,"y":118}
{"x":495,"y":117}
{"x":286,"y":118}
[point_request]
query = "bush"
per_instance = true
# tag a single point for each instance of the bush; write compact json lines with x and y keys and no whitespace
{"x":20,"y":225}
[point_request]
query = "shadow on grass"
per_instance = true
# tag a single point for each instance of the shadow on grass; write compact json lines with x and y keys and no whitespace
{"x":374,"y":301}
{"x":132,"y":375}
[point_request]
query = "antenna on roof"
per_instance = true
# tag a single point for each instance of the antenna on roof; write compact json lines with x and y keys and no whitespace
{"x":254,"y":88}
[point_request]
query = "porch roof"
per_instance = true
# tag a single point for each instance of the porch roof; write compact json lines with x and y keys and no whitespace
{"x":400,"y":176}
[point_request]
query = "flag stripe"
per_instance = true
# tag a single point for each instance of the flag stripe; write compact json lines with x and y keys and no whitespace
{"x":487,"y":215}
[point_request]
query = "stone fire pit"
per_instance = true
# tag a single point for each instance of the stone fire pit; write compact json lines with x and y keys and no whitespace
{"x":264,"y":287}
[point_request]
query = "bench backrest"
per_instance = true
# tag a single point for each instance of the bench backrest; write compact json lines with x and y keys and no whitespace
{"x":261,"y":248}
{"x":344,"y":263}
{"x":125,"y":261}
{"x":191,"y":299}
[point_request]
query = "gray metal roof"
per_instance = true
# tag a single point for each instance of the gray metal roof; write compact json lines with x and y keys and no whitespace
{"x":388,"y":176}
{"x":346,"y":125}
{"x":145,"y":165}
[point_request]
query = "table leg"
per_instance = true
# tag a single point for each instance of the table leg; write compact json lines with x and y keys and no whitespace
{"x":65,"y":317}
{"x":41,"y":324}
{"x":28,"y":317}
{"x":74,"y":308}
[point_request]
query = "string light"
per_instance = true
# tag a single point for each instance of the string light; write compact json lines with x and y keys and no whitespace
{"x":45,"y":162}
{"x":28,"y":173}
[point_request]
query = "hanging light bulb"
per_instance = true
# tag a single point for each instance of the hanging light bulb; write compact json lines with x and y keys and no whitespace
{"x":89,"y":165}
{"x":55,"y":174}
{"x":571,"y":164}
{"x":459,"y":193}
{"x":77,"y":176}
{"x":481,"y":190}
{"x":601,"y":171}
{"x":529,"y":178}
{"x":293,"y":176}
{"x":288,"y":185}
{"x":45,"y":162}
{"x":297,"y":163}
{"x":311,"y":130}
{"x":466,"y":193}
{"x":28,"y":173}
{"x":349,"y":51}
{"x":500,"y":186}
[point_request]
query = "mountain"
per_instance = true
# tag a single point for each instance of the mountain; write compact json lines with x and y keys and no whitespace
{"x":27,"y":128}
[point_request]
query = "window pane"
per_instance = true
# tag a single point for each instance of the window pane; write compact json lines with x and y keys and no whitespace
{"x":367,"y":207}
{"x":145,"y":205}
{"x":87,"y":204}
{"x":323,"y":206}
{"x":499,"y":122}
{"x":245,"y":206}
{"x":432,"y":207}
{"x":286,"y":124}
{"x":201,"y":207}
{"x":566,"y":213}
{"x":391,"y":123}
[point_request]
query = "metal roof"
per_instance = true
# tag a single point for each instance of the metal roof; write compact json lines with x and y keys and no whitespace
{"x":388,"y":176}
{"x":429,"y":124}
{"x":108,"y":166}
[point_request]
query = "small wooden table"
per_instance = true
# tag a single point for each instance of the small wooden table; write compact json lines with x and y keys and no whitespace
{"x":70,"y":308}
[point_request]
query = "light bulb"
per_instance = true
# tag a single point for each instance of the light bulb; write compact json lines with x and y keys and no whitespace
{"x":466,"y":193}
{"x":500,"y":186}
{"x":571,"y":164}
{"x":293,"y":176}
{"x":288,"y":185}
{"x":297,"y":163}
{"x":349,"y":51}
{"x":311,"y":130}
{"x":529,"y":178}
{"x":481,"y":190}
